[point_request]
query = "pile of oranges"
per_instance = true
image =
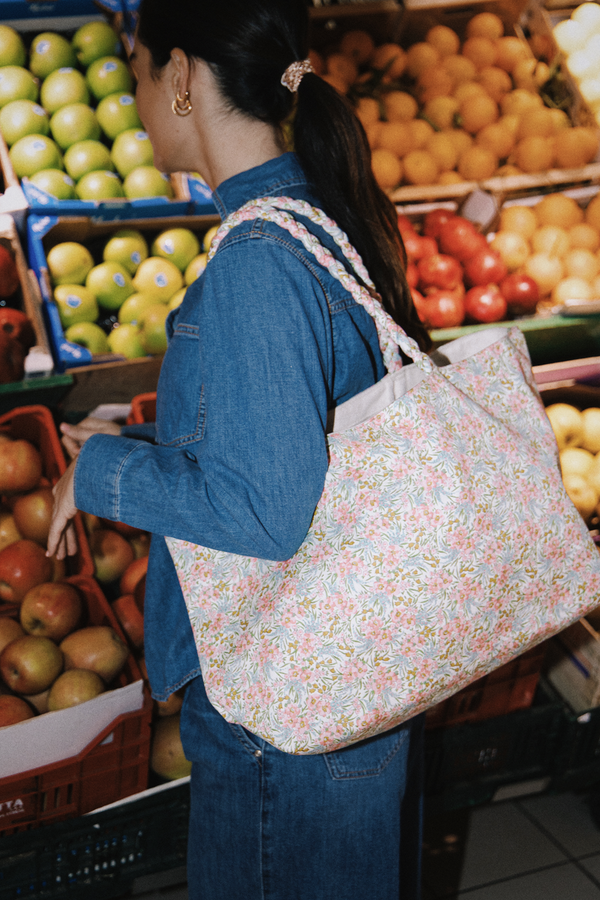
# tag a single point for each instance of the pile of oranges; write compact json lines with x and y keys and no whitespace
{"x":557,"y":243}
{"x":442,"y":112}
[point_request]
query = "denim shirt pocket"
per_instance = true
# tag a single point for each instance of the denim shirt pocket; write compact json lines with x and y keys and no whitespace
{"x":180,"y":419}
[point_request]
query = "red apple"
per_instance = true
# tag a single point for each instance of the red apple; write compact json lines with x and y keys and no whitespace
{"x":112,"y":554}
{"x":97,"y":647}
{"x":172,"y":705}
{"x":32,"y":513}
{"x":14,"y":710}
{"x":444,"y":309}
{"x":73,"y":687}
{"x":459,"y":238}
{"x":22,"y":565}
{"x":127,"y":531}
{"x":9,"y":275}
{"x":521,"y":294}
{"x":439,"y":271}
{"x":38,"y":701}
{"x":434,"y":220}
{"x":9,"y":533}
{"x":12,"y":359}
{"x":132,"y":574}
{"x":140,"y":593}
{"x":412,"y":275}
{"x":51,"y":609}
{"x":130,"y":619}
{"x":485,"y":267}
{"x":30,"y":664}
{"x":20,"y":466}
{"x":485,"y":303}
{"x":17,"y":326}
{"x":9,"y":630}
{"x":140,"y":544}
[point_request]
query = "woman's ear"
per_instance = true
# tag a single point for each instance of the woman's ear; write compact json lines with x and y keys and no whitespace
{"x":181,"y":73}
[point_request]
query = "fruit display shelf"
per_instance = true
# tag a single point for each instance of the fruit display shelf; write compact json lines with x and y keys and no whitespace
{"x":96,"y":379}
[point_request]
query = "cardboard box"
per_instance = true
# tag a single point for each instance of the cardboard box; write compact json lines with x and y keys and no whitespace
{"x":574,"y":665}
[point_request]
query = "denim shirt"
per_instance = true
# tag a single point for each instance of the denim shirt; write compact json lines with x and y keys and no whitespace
{"x":265,"y":342}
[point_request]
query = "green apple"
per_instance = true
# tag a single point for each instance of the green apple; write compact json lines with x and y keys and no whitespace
{"x":128,"y":247}
{"x":179,"y":245}
{"x":76,"y":303}
{"x":17,"y":83}
{"x":73,"y":123}
{"x":111,"y":283}
{"x":195,"y":268}
{"x":177,"y":299}
{"x":99,"y":186}
{"x":153,"y":334}
{"x":34,"y":152}
{"x":12,"y":48}
{"x":147,"y":181}
{"x":209,"y":235}
{"x":61,"y":87}
{"x":88,"y":335}
{"x":87,"y":156}
{"x":131,"y":149}
{"x":117,"y":113}
{"x":94,"y":40}
{"x":50,"y":51}
{"x":21,"y":117}
{"x":69,"y":263}
{"x":125,"y":340}
{"x":134,"y":307}
{"x":108,"y":75}
{"x":159,"y":277}
{"x":54,"y":182}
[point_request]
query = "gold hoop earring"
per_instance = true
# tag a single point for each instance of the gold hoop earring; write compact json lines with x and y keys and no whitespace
{"x":182,"y":106}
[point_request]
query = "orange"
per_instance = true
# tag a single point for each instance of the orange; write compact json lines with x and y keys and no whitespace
{"x":367,"y":110}
{"x":592,"y":213}
{"x":434,"y":82}
{"x":373,"y":131}
{"x":534,"y":154}
{"x":420,"y":167}
{"x":460,"y":68}
{"x":509,"y":169}
{"x":477,"y":163}
{"x":450,"y":178}
{"x":530,"y":74}
{"x":478,"y":111}
{"x":496,"y":81}
{"x":442,"y":148}
{"x":396,"y":137}
{"x":420,"y":131}
{"x":520,"y":219}
{"x":512,"y":247}
{"x":560,"y":119}
{"x":551,"y":240}
{"x":469,"y":89}
{"x":584,"y":237}
{"x":537,"y":122}
{"x":572,"y":288}
{"x":481,"y":51}
{"x":441,"y":111}
{"x":421,"y":56}
{"x":387,"y":169}
{"x":392,"y":56}
{"x":359,"y":45}
{"x":460,"y":138}
{"x":558,"y":209}
{"x":519,"y":101}
{"x":497,"y":139}
{"x":546,"y":270}
{"x":582,"y":263}
{"x":575,"y":147}
{"x":342,"y":67}
{"x":400,"y":106}
{"x":485,"y":24}
{"x":444,"y":39}
{"x":510,"y":51}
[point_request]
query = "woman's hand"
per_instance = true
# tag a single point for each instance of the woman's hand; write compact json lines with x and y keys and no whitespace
{"x":75,"y":436}
{"x":61,"y":538}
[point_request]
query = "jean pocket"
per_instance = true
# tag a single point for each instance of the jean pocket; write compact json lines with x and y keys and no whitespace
{"x":368,"y":758}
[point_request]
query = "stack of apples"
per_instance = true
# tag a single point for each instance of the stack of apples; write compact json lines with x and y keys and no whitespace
{"x":120,"y":305}
{"x":555,"y":241}
{"x":577,"y":434}
{"x":70,"y":117}
{"x":445,"y":110}
{"x":455,"y":276}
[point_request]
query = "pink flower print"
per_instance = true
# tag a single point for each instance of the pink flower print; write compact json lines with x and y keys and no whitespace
{"x":308,"y":644}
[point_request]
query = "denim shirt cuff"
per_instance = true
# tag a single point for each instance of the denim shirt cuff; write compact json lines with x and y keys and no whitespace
{"x":97,"y":473}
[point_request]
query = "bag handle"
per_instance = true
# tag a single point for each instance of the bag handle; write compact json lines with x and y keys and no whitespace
{"x":277,"y":210}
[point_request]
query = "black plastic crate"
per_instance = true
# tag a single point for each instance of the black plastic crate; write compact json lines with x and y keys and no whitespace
{"x":577,"y":763}
{"x":98,"y":856}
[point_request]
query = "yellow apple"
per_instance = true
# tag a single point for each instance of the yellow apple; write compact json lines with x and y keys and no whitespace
{"x":590,"y":438}
{"x":575,"y":461}
{"x":582,"y":494}
{"x":566,"y":423}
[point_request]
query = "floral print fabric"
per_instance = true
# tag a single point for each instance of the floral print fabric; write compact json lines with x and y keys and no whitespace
{"x":443,"y":545}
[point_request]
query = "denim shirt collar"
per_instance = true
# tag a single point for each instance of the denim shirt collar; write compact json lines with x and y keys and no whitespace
{"x":273,"y":177}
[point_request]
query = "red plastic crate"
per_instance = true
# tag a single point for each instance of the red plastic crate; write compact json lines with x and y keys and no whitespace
{"x":114,"y":764}
{"x":507,"y":689}
{"x":143,"y":409}
{"x":36,"y":424}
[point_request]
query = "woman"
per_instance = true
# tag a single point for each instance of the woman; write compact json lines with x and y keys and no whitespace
{"x":265,"y":343}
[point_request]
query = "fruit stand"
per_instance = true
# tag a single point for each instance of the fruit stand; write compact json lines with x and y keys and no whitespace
{"x":483,"y":121}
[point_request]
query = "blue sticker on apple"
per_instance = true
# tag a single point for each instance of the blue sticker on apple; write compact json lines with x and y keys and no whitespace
{"x":38,"y":145}
{"x":168,"y":246}
{"x":141,"y":136}
{"x":67,"y":69}
{"x":161,"y":280}
{"x":43,"y":47}
{"x":118,"y":279}
{"x":73,"y":301}
{"x":136,"y":257}
{"x":39,"y":110}
{"x":109,"y":66}
{"x":126,"y":100}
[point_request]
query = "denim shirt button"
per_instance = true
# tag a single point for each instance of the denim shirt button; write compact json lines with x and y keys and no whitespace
{"x":258,"y":753}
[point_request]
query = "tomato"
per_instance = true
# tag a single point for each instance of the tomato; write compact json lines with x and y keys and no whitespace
{"x":417,"y":247}
{"x":443,"y":309}
{"x":458,"y":237}
{"x":521,"y":294}
{"x":434,"y":220}
{"x":440,"y":271}
{"x":485,"y":303}
{"x":429,"y":246}
{"x":484,"y":267}
{"x":419,"y":302}
{"x":405,"y":225}
{"x":412,"y":275}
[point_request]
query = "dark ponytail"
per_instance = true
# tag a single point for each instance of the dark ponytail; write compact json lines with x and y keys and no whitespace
{"x":249,"y":44}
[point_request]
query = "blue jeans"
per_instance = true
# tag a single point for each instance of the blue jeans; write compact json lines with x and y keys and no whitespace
{"x":266,"y":825}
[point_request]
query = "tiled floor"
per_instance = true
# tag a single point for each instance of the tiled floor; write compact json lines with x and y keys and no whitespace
{"x":544,"y":847}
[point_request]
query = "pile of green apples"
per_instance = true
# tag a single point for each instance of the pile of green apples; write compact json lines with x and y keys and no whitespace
{"x":131,"y":291}
{"x":69,"y":117}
